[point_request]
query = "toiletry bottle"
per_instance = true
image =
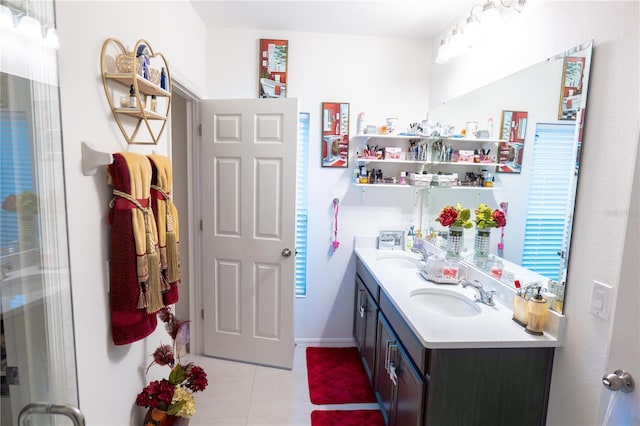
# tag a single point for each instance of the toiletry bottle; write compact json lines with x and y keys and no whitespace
{"x":536,"y":314}
{"x":409,"y":240}
{"x":132,"y":97}
{"x":163,"y":79}
{"x":153,"y":103}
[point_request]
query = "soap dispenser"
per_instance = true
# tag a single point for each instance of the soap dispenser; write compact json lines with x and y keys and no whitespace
{"x":537,"y":314}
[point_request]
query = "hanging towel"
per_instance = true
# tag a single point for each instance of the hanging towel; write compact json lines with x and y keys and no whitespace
{"x":166,"y":216}
{"x":134,"y":272}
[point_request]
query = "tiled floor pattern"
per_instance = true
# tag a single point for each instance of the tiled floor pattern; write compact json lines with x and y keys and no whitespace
{"x":251,"y":395}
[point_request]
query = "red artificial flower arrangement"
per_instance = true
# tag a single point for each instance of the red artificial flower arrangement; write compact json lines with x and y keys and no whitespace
{"x":173,"y":395}
{"x":455,"y":216}
{"x":488,"y":218}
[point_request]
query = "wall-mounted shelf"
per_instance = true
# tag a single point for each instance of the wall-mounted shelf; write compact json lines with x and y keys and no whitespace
{"x":121,"y":70}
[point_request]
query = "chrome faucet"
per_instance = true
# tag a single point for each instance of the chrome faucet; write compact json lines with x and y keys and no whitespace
{"x":482,"y":295}
{"x":422,"y":251}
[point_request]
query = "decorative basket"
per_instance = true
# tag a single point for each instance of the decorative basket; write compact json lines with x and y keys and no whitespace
{"x":125,"y":61}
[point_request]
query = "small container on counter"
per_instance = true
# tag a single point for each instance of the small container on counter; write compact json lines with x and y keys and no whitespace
{"x":520,"y":310}
{"x":537,"y":308}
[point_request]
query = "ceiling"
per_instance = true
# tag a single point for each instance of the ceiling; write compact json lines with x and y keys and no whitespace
{"x":420,"y":19}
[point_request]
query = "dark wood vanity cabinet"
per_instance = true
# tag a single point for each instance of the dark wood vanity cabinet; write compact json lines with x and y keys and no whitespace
{"x":416,"y":385}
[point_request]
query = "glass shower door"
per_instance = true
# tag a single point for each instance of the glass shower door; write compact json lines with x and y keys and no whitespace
{"x":37,"y":349}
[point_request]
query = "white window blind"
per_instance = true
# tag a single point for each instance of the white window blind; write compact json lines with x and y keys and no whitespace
{"x":16,"y":168}
{"x":551,"y":192}
{"x":301,"y":204}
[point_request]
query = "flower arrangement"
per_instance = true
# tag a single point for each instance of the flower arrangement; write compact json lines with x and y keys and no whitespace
{"x":455,"y":216}
{"x":488,"y":218}
{"x":173,"y":395}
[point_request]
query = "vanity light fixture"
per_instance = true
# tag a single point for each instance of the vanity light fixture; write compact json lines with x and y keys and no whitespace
{"x":476,"y":27}
{"x":51,"y":40}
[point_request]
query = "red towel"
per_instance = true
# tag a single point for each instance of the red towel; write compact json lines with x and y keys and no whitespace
{"x":128,"y":322}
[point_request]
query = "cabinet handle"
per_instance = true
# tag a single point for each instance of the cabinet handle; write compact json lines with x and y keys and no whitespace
{"x":393,"y":348}
{"x":362,"y":304}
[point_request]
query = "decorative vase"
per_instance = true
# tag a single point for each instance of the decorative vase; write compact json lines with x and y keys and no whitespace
{"x":454,"y":242}
{"x":156,"y":417}
{"x":482,"y":243}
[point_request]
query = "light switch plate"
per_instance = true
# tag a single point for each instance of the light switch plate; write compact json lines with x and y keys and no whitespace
{"x":600,"y":300}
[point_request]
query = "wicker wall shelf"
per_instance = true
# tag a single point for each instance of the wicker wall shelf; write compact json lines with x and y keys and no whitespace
{"x":121,"y":70}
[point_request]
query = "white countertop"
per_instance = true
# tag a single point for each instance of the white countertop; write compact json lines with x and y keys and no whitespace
{"x":492,"y":328}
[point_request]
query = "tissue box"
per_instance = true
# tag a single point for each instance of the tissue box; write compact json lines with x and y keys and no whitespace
{"x":392,"y":153}
{"x":465,"y":156}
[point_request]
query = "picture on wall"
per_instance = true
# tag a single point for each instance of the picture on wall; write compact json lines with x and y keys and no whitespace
{"x":335,"y":134}
{"x":274,"y":55}
{"x":571,"y":90}
{"x":513,"y":130}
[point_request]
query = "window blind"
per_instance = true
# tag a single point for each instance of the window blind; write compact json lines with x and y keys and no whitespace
{"x":551,"y":192}
{"x":301,"y":204}
{"x":16,"y":170}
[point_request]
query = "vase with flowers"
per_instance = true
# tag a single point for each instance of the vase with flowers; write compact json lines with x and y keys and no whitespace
{"x":170,"y":401}
{"x":486,"y":218}
{"x":456,"y":218}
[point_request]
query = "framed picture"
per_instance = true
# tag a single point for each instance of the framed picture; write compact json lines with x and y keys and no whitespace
{"x":513,"y":130}
{"x":391,"y":240}
{"x":571,"y":90}
{"x":335,"y":134}
{"x":274,"y":57}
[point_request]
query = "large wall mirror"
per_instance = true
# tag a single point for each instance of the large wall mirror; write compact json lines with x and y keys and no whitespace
{"x":539,"y":200}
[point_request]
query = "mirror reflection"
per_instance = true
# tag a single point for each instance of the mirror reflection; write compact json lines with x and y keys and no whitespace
{"x":537,"y":192}
{"x":335,"y":134}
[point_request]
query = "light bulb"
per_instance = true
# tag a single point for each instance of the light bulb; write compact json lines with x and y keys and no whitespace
{"x":490,"y":15}
{"x":458,"y":44}
{"x":6,"y":17}
{"x":51,"y":40}
{"x":30,"y":27}
{"x":473,"y":30}
{"x":443,"y":52}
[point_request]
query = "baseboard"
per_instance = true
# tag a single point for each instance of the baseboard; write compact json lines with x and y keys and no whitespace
{"x":333,"y":342}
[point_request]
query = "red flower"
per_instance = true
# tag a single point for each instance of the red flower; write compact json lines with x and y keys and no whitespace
{"x":164,"y":355}
{"x":447,"y":216}
{"x":196,"y":378}
{"x":157,"y":394}
{"x":499,"y":218}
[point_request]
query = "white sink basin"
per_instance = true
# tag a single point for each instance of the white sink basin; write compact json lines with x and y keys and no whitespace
{"x":445,"y":302}
{"x":399,"y":261}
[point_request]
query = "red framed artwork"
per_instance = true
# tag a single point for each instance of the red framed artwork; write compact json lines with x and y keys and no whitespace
{"x":571,"y":88}
{"x":272,"y":79}
{"x":513,"y":130}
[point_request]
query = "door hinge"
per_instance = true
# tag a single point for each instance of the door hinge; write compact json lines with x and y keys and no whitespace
{"x":200,"y":129}
{"x":201,"y":313}
{"x":201,"y":224}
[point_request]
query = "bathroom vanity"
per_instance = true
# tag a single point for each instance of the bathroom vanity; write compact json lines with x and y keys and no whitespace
{"x":436,"y":357}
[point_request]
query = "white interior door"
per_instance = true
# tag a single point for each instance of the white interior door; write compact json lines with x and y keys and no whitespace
{"x":248,"y":230}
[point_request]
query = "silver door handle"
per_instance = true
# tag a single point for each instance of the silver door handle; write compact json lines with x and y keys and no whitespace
{"x":76,"y":416}
{"x":619,"y":380}
{"x":286,"y":252}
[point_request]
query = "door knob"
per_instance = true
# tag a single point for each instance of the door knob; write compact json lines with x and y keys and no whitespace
{"x":619,"y":380}
{"x":286,"y":252}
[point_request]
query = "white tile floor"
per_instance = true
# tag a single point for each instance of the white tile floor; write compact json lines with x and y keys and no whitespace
{"x":251,"y":395}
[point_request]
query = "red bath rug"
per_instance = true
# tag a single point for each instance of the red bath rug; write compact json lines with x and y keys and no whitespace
{"x":336,"y":376}
{"x":347,"y":418}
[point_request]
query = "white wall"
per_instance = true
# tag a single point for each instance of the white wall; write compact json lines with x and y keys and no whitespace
{"x":109,"y":376}
{"x":378,"y":76}
{"x":610,"y":143}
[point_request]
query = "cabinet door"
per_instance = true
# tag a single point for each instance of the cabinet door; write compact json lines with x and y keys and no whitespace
{"x":370,"y":333}
{"x":383,"y":384}
{"x":360,"y":317}
{"x":409,"y":392}
{"x":364,"y":327}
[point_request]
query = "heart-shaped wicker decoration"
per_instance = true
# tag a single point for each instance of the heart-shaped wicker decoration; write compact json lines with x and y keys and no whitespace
{"x":143,"y":117}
